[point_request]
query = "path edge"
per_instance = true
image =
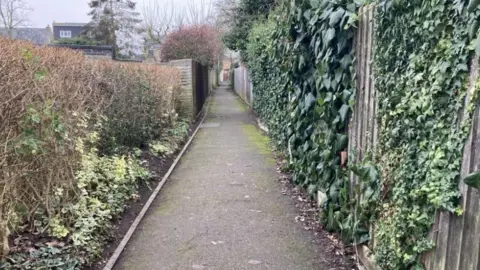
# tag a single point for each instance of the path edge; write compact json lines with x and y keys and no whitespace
{"x":260,"y":123}
{"x":123,"y":244}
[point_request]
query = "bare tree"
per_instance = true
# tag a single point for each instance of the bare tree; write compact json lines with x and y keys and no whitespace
{"x":226,"y":11}
{"x":14,"y":14}
{"x":158,"y":19}
{"x":180,"y":19}
{"x":200,"y":13}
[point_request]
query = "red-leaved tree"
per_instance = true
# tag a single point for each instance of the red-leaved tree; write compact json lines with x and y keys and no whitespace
{"x":199,"y":42}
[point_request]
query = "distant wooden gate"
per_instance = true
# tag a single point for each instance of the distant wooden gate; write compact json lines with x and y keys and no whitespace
{"x":200,"y":89}
{"x":195,"y":86}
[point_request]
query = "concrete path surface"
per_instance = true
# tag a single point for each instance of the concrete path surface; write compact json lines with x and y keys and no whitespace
{"x":222,"y":208}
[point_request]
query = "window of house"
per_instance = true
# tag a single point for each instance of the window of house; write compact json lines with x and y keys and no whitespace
{"x":65,"y":34}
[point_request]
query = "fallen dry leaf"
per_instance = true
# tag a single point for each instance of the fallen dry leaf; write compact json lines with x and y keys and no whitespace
{"x":254,"y":262}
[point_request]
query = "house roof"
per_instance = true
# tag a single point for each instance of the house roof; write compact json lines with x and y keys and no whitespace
{"x":69,"y":24}
{"x":39,"y":36}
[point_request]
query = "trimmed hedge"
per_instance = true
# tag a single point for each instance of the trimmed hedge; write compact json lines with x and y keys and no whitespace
{"x":63,"y":121}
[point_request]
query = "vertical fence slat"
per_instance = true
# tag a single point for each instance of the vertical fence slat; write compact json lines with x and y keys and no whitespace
{"x":372,"y":78}
{"x":353,"y":127}
{"x":432,"y":235}
{"x":359,"y":97}
{"x":442,"y":241}
{"x":371,"y":114}
{"x":363,"y":104}
{"x":367,"y":100}
{"x":457,"y":223}
{"x":373,"y":102}
{"x":471,"y":227}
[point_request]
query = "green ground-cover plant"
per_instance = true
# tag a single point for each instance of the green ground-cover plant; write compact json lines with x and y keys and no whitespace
{"x":171,"y":139}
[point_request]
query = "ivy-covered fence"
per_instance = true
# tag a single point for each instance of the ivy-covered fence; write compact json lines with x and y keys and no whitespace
{"x":455,"y":237}
{"x":363,"y":131}
{"x":388,"y":85}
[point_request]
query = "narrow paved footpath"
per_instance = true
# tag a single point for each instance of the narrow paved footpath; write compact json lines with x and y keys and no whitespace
{"x":222,"y":208}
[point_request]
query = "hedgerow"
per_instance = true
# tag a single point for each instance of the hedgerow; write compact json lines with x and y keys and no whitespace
{"x":242,"y":17}
{"x":198,"y":42}
{"x":270,"y":99}
{"x":302,"y":64}
{"x":304,"y":89}
{"x":69,"y":128}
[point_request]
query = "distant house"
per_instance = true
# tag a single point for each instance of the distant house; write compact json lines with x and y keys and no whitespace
{"x":153,"y":49}
{"x":67,"y":30}
{"x":230,"y":58}
{"x":38,"y":36}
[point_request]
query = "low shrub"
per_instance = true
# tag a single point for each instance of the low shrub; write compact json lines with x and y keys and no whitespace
{"x":76,"y":41}
{"x":138,"y":111}
{"x":199,"y":42}
{"x":62,"y":119}
{"x":172,"y":138}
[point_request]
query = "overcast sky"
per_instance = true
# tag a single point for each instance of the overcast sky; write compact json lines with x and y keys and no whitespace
{"x":46,"y":11}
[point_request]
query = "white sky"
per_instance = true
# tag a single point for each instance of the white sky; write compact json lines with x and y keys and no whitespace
{"x":46,"y":11}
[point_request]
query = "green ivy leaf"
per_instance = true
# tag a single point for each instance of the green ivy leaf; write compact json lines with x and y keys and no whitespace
{"x":41,"y":74}
{"x":346,"y":61}
{"x":336,"y":16}
{"x":315,"y":3}
{"x":307,"y":14}
{"x":473,"y":5}
{"x":329,"y":35}
{"x":343,"y":112}
{"x":35,"y":118}
{"x":366,"y":173}
{"x":477,"y":46}
{"x":363,"y":238}
{"x":309,"y":101}
{"x":473,"y":180}
{"x":341,"y":142}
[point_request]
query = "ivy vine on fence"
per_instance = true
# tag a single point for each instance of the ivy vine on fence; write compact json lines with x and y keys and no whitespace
{"x":422,"y":49}
{"x":302,"y":63}
{"x":303,"y":78}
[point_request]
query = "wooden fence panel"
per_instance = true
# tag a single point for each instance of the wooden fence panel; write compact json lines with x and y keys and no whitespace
{"x":456,"y":238}
{"x":243,"y":84}
{"x":363,"y":122}
{"x":195,"y":86}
